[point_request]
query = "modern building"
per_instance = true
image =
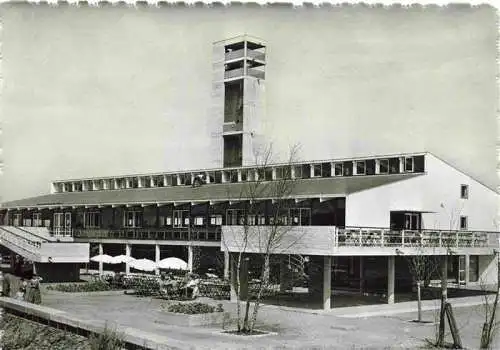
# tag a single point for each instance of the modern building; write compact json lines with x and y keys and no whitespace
{"x":352,"y":215}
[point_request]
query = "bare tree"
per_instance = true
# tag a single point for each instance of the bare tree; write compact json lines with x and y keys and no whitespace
{"x":422,"y":267}
{"x":265,"y":239}
{"x":490,"y":325}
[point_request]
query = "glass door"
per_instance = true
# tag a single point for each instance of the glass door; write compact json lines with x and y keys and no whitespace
{"x":412,"y":221}
{"x":461,"y":270}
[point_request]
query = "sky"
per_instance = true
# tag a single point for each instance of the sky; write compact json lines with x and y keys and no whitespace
{"x":122,"y":90}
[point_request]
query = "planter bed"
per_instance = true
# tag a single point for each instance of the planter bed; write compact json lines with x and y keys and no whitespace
{"x":193,"y":314}
{"x":97,"y":293}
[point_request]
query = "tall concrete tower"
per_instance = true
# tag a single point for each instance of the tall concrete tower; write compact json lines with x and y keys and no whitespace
{"x":238,"y":100}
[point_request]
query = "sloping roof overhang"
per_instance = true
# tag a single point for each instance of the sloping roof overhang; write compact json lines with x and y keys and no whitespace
{"x":302,"y":188}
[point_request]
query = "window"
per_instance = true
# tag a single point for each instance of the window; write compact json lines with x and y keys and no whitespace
{"x":278,"y":173}
{"x":37,"y":219}
{"x":133,"y":219}
{"x":261,"y":220}
{"x":216,"y":220}
{"x":463,"y":223}
{"x":474,"y":268}
{"x":316,"y":170}
{"x":383,"y":166}
{"x":165,"y":221}
{"x":198,"y":221}
{"x":244,"y":175}
{"x":409,"y":162}
{"x":91,"y":220}
{"x":58,"y":220}
{"x":268,"y":174}
{"x":298,"y":172}
{"x":360,"y":167}
{"x":464,"y":191}
{"x":17,"y":219}
{"x":339,"y":169}
{"x":251,"y":220}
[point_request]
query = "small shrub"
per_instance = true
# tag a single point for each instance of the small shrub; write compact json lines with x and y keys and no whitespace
{"x":107,"y":340}
{"x":193,"y":308}
{"x":94,"y":286}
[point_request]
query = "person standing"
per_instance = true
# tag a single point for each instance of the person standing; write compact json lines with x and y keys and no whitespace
{"x":34,"y":296}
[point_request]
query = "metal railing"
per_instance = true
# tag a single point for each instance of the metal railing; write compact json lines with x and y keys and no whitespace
{"x":61,"y":231}
{"x":379,"y":237}
{"x":157,"y":234}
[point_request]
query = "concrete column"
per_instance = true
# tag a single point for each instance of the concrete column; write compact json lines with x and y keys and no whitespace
{"x":226,"y":265}
{"x":402,"y":164}
{"x":327,"y":282}
{"x":467,"y":269}
{"x":354,"y":169}
{"x":391,"y":269}
{"x":361,"y":275}
{"x":157,"y":258}
{"x":128,"y":252}
{"x":101,"y":265}
{"x":190,"y":258}
{"x":285,"y":274}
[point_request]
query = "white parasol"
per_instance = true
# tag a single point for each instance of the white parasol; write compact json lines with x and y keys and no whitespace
{"x":120,"y":259}
{"x":104,"y":258}
{"x":173,"y":264}
{"x":143,"y":265}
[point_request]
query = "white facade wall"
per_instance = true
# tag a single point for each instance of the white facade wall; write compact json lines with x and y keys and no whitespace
{"x":437,"y":193}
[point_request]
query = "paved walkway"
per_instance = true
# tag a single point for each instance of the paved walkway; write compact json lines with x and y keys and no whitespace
{"x":374,"y":326}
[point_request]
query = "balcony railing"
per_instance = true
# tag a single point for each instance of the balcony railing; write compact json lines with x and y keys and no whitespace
{"x":234,"y":73}
{"x":234,"y":55}
{"x":160,"y":234}
{"x":61,"y":231}
{"x":375,"y":237}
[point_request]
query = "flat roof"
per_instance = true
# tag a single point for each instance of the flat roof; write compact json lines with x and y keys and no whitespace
{"x":302,"y":188}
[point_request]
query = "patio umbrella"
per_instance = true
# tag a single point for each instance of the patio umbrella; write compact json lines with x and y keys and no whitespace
{"x":120,"y":259}
{"x":143,"y":265}
{"x":105,"y":258}
{"x":173,"y":264}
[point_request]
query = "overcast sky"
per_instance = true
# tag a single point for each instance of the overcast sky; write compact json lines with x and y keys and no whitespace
{"x":116,"y":90}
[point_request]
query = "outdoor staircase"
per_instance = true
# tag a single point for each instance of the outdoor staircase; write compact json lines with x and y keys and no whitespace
{"x":35,"y":244}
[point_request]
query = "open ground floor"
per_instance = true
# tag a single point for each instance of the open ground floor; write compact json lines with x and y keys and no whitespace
{"x":317,"y":281}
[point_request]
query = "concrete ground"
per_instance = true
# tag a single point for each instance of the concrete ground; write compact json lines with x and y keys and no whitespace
{"x":367,"y":326}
